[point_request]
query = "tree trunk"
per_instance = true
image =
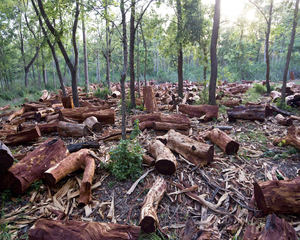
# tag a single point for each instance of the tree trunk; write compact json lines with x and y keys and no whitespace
{"x":131,"y":55}
{"x":213,"y":54}
{"x":108,"y":40}
{"x":267,"y":47}
{"x":86,"y":71}
{"x":98,"y":68}
{"x":149,"y":99}
{"x":146,"y":52}
{"x":138,"y":64}
{"x":288,"y":57}
{"x":180,"y":53}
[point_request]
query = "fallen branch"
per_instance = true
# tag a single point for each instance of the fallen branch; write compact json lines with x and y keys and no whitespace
{"x":131,"y":189}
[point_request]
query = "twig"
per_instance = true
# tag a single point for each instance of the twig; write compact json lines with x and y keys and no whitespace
{"x":137,"y":181}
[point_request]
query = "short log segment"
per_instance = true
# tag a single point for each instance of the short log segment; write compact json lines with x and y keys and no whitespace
{"x":73,"y":162}
{"x":195,"y":152}
{"x":285,"y":121}
{"x":207,"y":112}
{"x":35,"y":163}
{"x":149,"y":220}
{"x":293,"y":137}
{"x":223,"y":141}
{"x":24,"y":136}
{"x":278,"y":196}
{"x":78,"y":146}
{"x":165,"y":162}
{"x":93,"y":124}
{"x":71,"y":230}
{"x":106,"y":116}
{"x":249,"y":112}
{"x":275,"y":228}
{"x":149,"y":99}
{"x":67,"y":102}
{"x":16,"y":114}
{"x":67,"y":129}
{"x":6,"y":158}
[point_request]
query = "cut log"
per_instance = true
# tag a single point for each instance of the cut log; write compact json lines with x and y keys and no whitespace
{"x":250,"y":112}
{"x":78,"y":146}
{"x":293,"y":137}
{"x":275,"y":228}
{"x":153,"y":117}
{"x":193,"y":151}
{"x":32,"y":167}
{"x":34,"y":106}
{"x":285,"y":121}
{"x":23,"y":136}
{"x":206,"y":112}
{"x":278,"y":196}
{"x":72,"y":163}
{"x":116,"y":94}
{"x":67,"y":129}
{"x":231,"y":102}
{"x":77,"y":114}
{"x":149,"y":99}
{"x":106,"y":116}
{"x":6,"y":158}
{"x":165,"y":126}
{"x":223,"y":141}
{"x":148,"y":160}
{"x":146,"y":125}
{"x":41,"y":114}
{"x":93,"y":124}
{"x":149,"y":220}
{"x":275,"y":95}
{"x":16,"y":114}
{"x":52,"y":117}
{"x":75,"y":230}
{"x":165,"y":162}
{"x":67,"y":102}
{"x":45,"y":96}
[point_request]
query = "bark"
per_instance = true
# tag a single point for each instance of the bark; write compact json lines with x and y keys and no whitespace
{"x":93,"y":124}
{"x":6,"y":158}
{"x":165,"y":162}
{"x":223,"y":141}
{"x":206,"y":112}
{"x":45,"y":96}
{"x":149,"y":220}
{"x":41,"y":114}
{"x":72,"y":163}
{"x":131,"y":55}
{"x":86,"y":71}
{"x":149,"y":99}
{"x":77,"y":146}
{"x":15,"y":114}
{"x":275,"y":95}
{"x":23,"y":136}
{"x":293,"y":137}
{"x":193,"y":151}
{"x":180,"y":52}
{"x":250,"y":112}
{"x":231,"y":102}
{"x":213,"y":54}
{"x":275,"y":228}
{"x":146,"y":55}
{"x":290,"y":48}
{"x":166,"y":126}
{"x":32,"y":167}
{"x":69,"y":230}
{"x":160,"y":117}
{"x":148,"y":160}
{"x":67,"y":102}
{"x":106,"y":116}
{"x":67,"y":129}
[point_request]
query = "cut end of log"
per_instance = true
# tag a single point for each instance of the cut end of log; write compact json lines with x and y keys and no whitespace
{"x":148,"y":224}
{"x":165,"y":166}
{"x":85,"y":194}
{"x":232,"y":148}
{"x":49,"y":179}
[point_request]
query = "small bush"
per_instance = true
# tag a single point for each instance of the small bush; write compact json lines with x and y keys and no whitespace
{"x":103,"y":94}
{"x":259,"y":88}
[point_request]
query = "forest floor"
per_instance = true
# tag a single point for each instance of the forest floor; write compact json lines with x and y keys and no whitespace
{"x":229,"y":180}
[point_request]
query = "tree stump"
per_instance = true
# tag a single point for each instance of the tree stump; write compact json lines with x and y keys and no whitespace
{"x":67,"y":102}
{"x":149,"y":99}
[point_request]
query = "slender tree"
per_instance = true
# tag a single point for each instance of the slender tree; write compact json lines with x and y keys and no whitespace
{"x":179,"y":51}
{"x":85,"y":56}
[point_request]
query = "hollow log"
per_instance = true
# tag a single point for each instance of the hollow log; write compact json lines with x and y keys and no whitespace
{"x":78,"y":146}
{"x":23,"y":137}
{"x":93,"y":124}
{"x":285,"y":121}
{"x":72,"y":163}
{"x":275,"y":228}
{"x":149,"y":99}
{"x":165,"y":126}
{"x":278,"y":196}
{"x":6,"y":158}
{"x":250,"y":112}
{"x":70,"y":230}
{"x":149,"y":220}
{"x":193,"y":151}
{"x":207,"y":112}
{"x":67,"y":102}
{"x":223,"y":141}
{"x":15,"y":114}
{"x":32,"y":167}
{"x":165,"y":162}
{"x":41,"y":114}
{"x":67,"y":129}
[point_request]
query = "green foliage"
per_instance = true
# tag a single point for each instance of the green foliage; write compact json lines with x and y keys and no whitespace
{"x":4,"y":232}
{"x":259,"y":88}
{"x":126,"y":158}
{"x":286,"y":107}
{"x":151,"y":236}
{"x":203,"y":95}
{"x":102,"y":94}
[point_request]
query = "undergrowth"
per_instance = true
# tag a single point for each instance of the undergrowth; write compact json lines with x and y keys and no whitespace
{"x":102,"y":94}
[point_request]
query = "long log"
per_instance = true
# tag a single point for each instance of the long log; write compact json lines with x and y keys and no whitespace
{"x":93,"y":124}
{"x":67,"y":129}
{"x":249,"y":112}
{"x":149,"y":99}
{"x":78,"y":146}
{"x":24,"y":136}
{"x":6,"y":158}
{"x":17,"y":113}
{"x":106,"y":116}
{"x":45,"y":229}
{"x":275,"y":229}
{"x":223,"y":141}
{"x":149,"y":220}
{"x":166,"y":126}
{"x":278,"y":196}
{"x":207,"y":112}
{"x":165,"y":162}
{"x":196,"y":152}
{"x":33,"y":166}
{"x":72,"y":163}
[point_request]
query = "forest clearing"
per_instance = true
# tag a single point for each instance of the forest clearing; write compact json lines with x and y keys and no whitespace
{"x":154,"y":125}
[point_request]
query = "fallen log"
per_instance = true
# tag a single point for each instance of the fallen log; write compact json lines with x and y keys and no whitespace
{"x":278,"y":196}
{"x":149,"y":99}
{"x":15,"y":114}
{"x":285,"y":121}
{"x":106,"y":116}
{"x":223,"y":141}
{"x":79,"y":114}
{"x":148,"y":160}
{"x":67,"y":129}
{"x":71,"y":230}
{"x":6,"y":158}
{"x":193,"y":151}
{"x":78,"y":146}
{"x":250,"y":112}
{"x":33,"y":166}
{"x":275,"y":228}
{"x":52,"y":117}
{"x":41,"y":114}
{"x":231,"y":102}
{"x":206,"y":112}
{"x":149,"y":220}
{"x":34,"y":106}
{"x":93,"y":124}
{"x":166,"y":126}
{"x":275,"y":95}
{"x":165,"y":162}
{"x":72,"y":163}
{"x":45,"y":96}
{"x":23,"y":137}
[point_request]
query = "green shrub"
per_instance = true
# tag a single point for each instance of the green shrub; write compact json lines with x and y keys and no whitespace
{"x":103,"y":94}
{"x":259,"y":88}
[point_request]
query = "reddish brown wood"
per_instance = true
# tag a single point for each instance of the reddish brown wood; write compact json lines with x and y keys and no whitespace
{"x":6,"y":107}
{"x":207,"y":112}
{"x":16,"y":114}
{"x":67,"y":102}
{"x":196,"y":152}
{"x":154,"y":117}
{"x":93,"y":124}
{"x":45,"y":229}
{"x":6,"y":158}
{"x":231,"y":102}
{"x":165,"y":126}
{"x":41,"y":114}
{"x":23,"y":137}
{"x":67,"y":129}
{"x":52,"y":117}
{"x":149,"y":220}
{"x":146,"y":125}
{"x":149,"y":99}
{"x":223,"y":141}
{"x":106,"y":116}
{"x":81,"y":113}
{"x":45,"y":96}
{"x":150,"y":161}
{"x":72,"y":163}
{"x":32,"y":167}
{"x":165,"y":162}
{"x":34,"y":106}
{"x":293,"y":137}
{"x":250,"y":112}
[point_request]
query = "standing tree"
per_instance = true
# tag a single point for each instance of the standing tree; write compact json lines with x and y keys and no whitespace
{"x":180,"y":52}
{"x":86,"y":68}
{"x":213,"y":54}
{"x":290,"y":48}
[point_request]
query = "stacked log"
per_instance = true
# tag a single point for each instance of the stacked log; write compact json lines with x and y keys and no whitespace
{"x":248,"y":112}
{"x":26,"y":136}
{"x":206,"y":112}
